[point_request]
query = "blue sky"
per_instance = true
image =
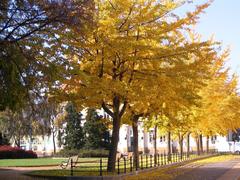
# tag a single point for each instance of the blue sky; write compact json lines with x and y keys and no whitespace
{"x":221,"y":19}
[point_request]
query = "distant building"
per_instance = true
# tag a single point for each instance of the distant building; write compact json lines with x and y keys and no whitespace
{"x":43,"y":145}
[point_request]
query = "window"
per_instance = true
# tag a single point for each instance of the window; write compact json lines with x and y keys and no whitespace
{"x":34,"y":140}
{"x":162,"y":138}
{"x":151,"y":136}
{"x":22,"y":142}
{"x":213,"y":139}
{"x":131,"y":132}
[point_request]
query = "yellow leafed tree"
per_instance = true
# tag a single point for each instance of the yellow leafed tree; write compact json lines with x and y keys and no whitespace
{"x":132,"y":45}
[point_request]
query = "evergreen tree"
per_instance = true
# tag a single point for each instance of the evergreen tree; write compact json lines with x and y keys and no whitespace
{"x":96,"y":133}
{"x":3,"y":139}
{"x":74,"y":131}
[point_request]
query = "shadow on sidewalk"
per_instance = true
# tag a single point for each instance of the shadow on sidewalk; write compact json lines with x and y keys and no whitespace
{"x":206,"y":172}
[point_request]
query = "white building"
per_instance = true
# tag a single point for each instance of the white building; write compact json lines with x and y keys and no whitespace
{"x":43,"y":145}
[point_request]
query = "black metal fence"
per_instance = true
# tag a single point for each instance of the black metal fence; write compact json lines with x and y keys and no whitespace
{"x":125,"y":165}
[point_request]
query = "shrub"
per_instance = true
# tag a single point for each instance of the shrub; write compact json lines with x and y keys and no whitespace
{"x":8,"y":152}
{"x":93,"y":153}
{"x":67,"y":152}
{"x":82,"y":153}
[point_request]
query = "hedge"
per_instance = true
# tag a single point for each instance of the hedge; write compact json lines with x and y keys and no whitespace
{"x":9,"y":152}
{"x":82,"y":153}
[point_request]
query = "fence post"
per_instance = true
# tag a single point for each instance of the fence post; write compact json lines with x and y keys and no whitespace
{"x":136,"y":164}
{"x":150,"y":160}
{"x":131,"y":164}
{"x":141,"y":162}
{"x":164,"y":161}
{"x":124,"y":160}
{"x":118,"y":165}
{"x":100,"y":167}
{"x":71,"y":167}
{"x":158,"y":159}
{"x":146,"y":161}
{"x":155,"y":159}
{"x":161,"y":159}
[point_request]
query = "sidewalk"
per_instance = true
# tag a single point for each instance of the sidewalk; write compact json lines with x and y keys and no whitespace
{"x":228,"y":170}
{"x":232,"y":174}
{"x":17,"y":173}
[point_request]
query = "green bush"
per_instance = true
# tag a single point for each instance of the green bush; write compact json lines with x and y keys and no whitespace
{"x":67,"y":152}
{"x":82,"y":153}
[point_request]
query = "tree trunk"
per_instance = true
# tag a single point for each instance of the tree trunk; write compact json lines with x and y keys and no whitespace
{"x":114,"y":144}
{"x":188,"y":144}
{"x":17,"y":142}
{"x":30,"y":138}
{"x":135,"y":141}
{"x":180,"y":141}
{"x":169,"y":145}
{"x":207,"y":144}
{"x":1,"y":139}
{"x":201,"y":143}
{"x":197,"y":143}
{"x":54,"y":143}
{"x":155,"y":145}
{"x":116,"y":117}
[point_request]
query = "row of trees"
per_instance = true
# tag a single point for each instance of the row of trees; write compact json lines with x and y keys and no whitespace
{"x":134,"y":59}
{"x":141,"y":61}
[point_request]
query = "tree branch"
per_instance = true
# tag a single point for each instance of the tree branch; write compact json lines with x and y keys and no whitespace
{"x":106,"y":109}
{"x":123,"y":108}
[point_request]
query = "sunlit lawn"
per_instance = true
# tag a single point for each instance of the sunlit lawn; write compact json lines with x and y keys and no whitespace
{"x":37,"y":162}
{"x":57,"y":161}
{"x":29,"y":162}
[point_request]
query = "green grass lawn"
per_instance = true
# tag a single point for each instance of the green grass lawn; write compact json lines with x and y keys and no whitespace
{"x":29,"y":162}
{"x":38,"y":162}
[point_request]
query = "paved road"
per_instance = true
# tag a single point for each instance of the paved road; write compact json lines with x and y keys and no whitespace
{"x":228,"y":170}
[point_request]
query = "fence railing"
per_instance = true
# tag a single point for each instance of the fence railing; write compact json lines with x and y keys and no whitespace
{"x":126,"y":165}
